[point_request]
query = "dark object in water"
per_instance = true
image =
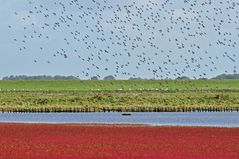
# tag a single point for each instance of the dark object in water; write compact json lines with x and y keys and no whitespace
{"x":126,"y":114}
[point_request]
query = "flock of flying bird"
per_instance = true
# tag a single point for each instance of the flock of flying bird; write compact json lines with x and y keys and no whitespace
{"x":165,"y":39}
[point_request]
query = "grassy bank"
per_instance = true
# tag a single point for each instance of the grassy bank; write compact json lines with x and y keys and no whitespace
{"x":95,"y":96}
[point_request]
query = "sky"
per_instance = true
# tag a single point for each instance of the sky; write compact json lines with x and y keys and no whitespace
{"x":201,"y":56}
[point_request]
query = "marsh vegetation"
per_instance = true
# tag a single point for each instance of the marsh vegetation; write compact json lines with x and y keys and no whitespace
{"x":126,"y":96}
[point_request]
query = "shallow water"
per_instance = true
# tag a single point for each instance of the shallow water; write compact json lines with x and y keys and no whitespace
{"x":218,"y":119}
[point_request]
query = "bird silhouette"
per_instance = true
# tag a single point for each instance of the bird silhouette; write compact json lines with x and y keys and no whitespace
{"x":163,"y":39}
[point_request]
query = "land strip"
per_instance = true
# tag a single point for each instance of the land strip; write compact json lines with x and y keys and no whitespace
{"x":119,"y":96}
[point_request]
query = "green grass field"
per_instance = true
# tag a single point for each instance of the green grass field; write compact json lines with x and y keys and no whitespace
{"x":142,"y":95}
{"x":128,"y":85}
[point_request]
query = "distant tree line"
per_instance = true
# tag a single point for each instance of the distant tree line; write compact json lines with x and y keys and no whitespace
{"x":219,"y":77}
{"x":57,"y":77}
{"x":227,"y":76}
{"x":109,"y":77}
{"x":183,"y":78}
{"x":40,"y":77}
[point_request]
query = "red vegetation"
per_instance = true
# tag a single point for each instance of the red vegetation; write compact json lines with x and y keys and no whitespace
{"x":24,"y":141}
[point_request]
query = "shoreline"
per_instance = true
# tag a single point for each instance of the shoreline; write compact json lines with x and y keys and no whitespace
{"x":116,"y":125}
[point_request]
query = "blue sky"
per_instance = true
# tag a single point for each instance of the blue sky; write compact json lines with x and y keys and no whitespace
{"x":16,"y":62}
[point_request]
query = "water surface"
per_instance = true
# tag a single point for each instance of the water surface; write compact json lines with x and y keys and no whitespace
{"x":218,"y":119}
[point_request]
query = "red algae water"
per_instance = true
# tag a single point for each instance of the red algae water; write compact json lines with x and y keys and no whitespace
{"x":68,"y":141}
